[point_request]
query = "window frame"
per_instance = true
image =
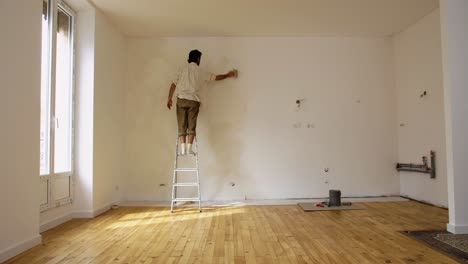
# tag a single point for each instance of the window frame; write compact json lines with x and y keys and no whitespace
{"x":54,"y":6}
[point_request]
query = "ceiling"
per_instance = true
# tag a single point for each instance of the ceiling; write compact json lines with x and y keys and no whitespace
{"x":361,"y":18}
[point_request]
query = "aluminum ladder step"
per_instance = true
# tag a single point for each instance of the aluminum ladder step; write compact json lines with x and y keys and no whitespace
{"x":186,"y":184}
{"x":186,"y":155}
{"x":186,"y":199}
{"x":185,"y":169}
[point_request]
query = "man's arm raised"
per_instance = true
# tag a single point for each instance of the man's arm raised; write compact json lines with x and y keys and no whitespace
{"x":230,"y":74}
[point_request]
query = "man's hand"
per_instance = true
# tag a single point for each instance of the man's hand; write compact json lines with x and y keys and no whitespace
{"x":169,"y":103}
{"x":171,"y":93}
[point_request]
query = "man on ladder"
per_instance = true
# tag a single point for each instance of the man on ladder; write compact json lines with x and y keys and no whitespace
{"x":188,"y":81}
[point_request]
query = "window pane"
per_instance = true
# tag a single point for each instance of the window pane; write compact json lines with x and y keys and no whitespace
{"x":63,"y":94}
{"x":45,"y":94}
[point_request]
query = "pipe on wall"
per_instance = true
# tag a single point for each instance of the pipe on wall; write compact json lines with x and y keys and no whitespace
{"x":421,"y":168}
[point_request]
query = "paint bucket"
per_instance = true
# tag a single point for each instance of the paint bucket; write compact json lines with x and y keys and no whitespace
{"x":335,"y":198}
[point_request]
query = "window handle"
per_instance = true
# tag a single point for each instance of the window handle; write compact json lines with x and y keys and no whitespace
{"x":56,"y":123}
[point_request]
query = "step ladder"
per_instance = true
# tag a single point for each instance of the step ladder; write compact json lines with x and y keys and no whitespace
{"x":176,"y":184}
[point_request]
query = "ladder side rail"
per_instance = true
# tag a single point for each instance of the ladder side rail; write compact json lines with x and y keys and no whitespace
{"x":174,"y":174}
{"x":198,"y":176}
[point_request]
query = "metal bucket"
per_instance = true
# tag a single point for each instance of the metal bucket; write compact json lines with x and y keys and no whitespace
{"x":335,"y":198}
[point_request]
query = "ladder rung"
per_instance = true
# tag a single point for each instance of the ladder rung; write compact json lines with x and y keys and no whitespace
{"x":186,"y":199}
{"x":186,"y":169}
{"x":186,"y":184}
{"x":185,"y":155}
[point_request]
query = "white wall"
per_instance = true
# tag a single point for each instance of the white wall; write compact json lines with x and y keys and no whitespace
{"x":20,"y":70}
{"x":109,"y":85}
{"x":454,"y":19}
{"x":246,"y":126}
{"x":84,"y":111}
{"x":418,"y":64}
{"x":101,"y":71}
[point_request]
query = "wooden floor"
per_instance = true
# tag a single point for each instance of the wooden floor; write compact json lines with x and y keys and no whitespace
{"x":252,"y":234}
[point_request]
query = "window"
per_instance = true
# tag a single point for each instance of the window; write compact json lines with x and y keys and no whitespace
{"x":56,"y":135}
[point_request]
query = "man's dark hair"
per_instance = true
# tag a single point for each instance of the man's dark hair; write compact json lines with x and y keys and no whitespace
{"x":194,"y":56}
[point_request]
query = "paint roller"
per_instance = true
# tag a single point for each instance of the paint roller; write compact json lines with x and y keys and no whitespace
{"x":236,"y":73}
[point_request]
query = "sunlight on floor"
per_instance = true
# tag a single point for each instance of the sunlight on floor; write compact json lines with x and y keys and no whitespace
{"x":185,"y":213}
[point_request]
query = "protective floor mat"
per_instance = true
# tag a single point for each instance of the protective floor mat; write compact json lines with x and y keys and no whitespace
{"x":444,"y":242}
{"x":310,"y":207}
{"x":457,"y":241}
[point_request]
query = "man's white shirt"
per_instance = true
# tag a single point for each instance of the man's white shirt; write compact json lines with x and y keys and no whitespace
{"x":190,"y":79}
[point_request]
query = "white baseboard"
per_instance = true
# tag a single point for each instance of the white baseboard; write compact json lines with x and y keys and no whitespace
{"x":92,"y":214}
{"x":424,"y":201}
{"x":55,"y":222}
{"x":266,"y":201}
{"x":102,"y":210}
{"x":82,"y":214}
{"x":457,"y":229}
{"x":20,"y":247}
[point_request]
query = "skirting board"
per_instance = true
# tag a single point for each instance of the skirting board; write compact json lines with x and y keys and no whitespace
{"x":102,"y":210}
{"x":424,"y":202}
{"x":82,"y":214}
{"x":68,"y":216}
{"x":92,"y":214}
{"x":266,"y":202}
{"x":457,"y":229}
{"x":20,"y":247}
{"x":55,"y":222}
